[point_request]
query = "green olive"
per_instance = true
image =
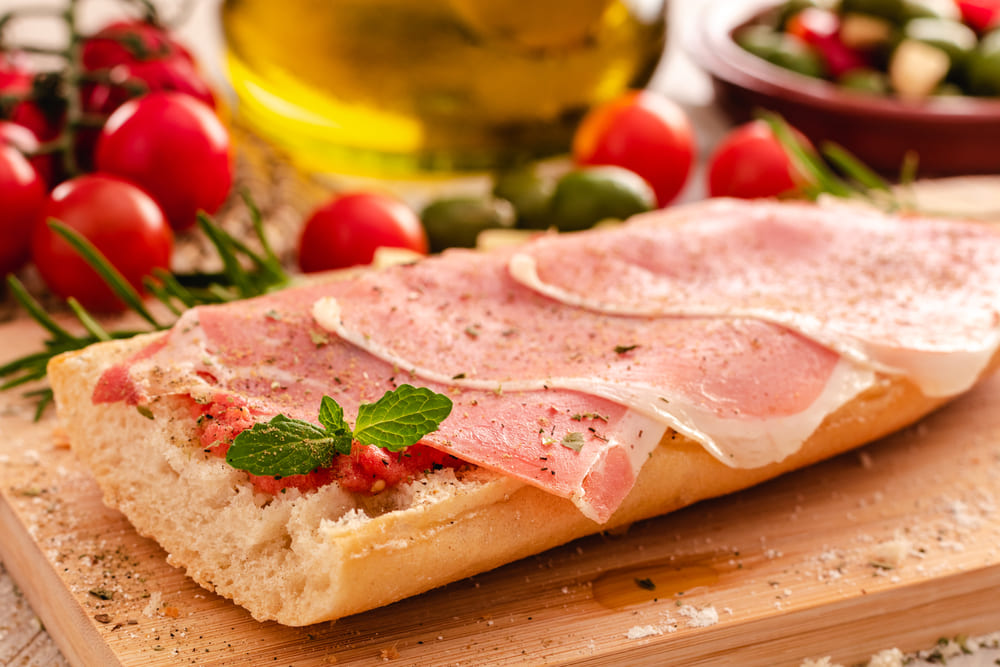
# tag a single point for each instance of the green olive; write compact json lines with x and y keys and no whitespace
{"x":865,"y":80}
{"x":782,"y":49}
{"x":586,"y":196}
{"x":933,"y":9}
{"x":983,"y":67}
{"x":891,"y":10}
{"x":900,"y":12}
{"x":457,"y":221}
{"x":530,"y":194}
{"x":790,"y":8}
{"x":954,"y":38}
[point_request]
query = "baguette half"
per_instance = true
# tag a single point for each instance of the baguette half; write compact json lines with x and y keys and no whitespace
{"x":304,"y":558}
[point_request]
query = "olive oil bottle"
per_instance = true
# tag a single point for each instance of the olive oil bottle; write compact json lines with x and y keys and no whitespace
{"x":404,"y":87}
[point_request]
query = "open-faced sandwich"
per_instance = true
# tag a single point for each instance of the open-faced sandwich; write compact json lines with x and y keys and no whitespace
{"x":335,"y":447}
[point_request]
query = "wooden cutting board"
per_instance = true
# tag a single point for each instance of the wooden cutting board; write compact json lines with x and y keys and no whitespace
{"x":893,"y":545}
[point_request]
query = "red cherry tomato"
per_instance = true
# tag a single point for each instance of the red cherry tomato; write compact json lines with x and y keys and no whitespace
{"x":821,"y":29}
{"x":16,"y":81}
{"x":24,"y":140}
{"x":123,"y":222}
{"x":45,"y":121}
{"x":981,"y":15}
{"x":15,"y":74}
{"x":173,"y":147}
{"x":18,"y":136}
{"x":129,"y":80}
{"x":130,"y":41}
{"x":750,"y":162}
{"x":347,"y":230}
{"x":141,"y":53}
{"x":22,"y":194}
{"x":643,"y":132}
{"x":812,"y":24}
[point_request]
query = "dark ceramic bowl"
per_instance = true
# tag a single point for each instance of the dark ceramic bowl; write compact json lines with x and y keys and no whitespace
{"x":951,"y":135}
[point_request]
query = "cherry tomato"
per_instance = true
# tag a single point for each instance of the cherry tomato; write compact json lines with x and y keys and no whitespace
{"x":141,"y":53}
{"x":121,"y":220}
{"x":821,"y":29}
{"x":981,"y":15}
{"x":173,"y":147}
{"x":347,"y":230}
{"x":129,"y":41}
{"x":15,"y":74}
{"x":22,"y":194}
{"x":643,"y":132}
{"x":42,"y":112}
{"x":24,"y":140}
{"x":129,"y":80}
{"x":45,"y":120}
{"x":18,"y":136}
{"x":750,"y":162}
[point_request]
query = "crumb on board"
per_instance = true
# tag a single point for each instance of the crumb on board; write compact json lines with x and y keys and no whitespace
{"x":643,"y":631}
{"x":155,"y":600}
{"x":889,"y":554}
{"x":390,"y":653}
{"x":699,"y":617}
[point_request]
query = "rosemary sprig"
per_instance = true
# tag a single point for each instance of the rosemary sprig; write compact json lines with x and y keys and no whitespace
{"x":836,"y":171}
{"x":247,"y":274}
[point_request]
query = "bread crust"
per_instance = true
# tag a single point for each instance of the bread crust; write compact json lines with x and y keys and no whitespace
{"x":304,"y":558}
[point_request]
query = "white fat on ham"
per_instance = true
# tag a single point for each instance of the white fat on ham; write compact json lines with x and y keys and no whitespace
{"x":737,"y":442}
{"x":904,"y":295}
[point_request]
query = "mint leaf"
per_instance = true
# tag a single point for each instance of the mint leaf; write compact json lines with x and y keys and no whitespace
{"x":331,"y":416}
{"x":401,"y":417}
{"x":284,"y":447}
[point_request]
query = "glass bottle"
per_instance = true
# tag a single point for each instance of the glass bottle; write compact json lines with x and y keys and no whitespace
{"x":404,"y":87}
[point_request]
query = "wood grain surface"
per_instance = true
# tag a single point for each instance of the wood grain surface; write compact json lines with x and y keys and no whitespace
{"x":891,"y":545}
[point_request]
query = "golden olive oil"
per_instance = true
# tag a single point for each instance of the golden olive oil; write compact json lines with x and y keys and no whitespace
{"x":399,"y":87}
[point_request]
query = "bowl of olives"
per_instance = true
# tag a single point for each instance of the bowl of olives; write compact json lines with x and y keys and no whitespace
{"x":888,"y":80}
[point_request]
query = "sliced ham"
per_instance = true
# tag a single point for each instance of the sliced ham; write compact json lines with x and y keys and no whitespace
{"x":910,"y":296}
{"x":724,"y":382}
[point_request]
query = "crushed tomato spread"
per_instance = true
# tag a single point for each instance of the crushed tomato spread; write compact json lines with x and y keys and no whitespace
{"x":368,"y":469}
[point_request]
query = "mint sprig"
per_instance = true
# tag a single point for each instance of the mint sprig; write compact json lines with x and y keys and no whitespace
{"x":285,"y":446}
